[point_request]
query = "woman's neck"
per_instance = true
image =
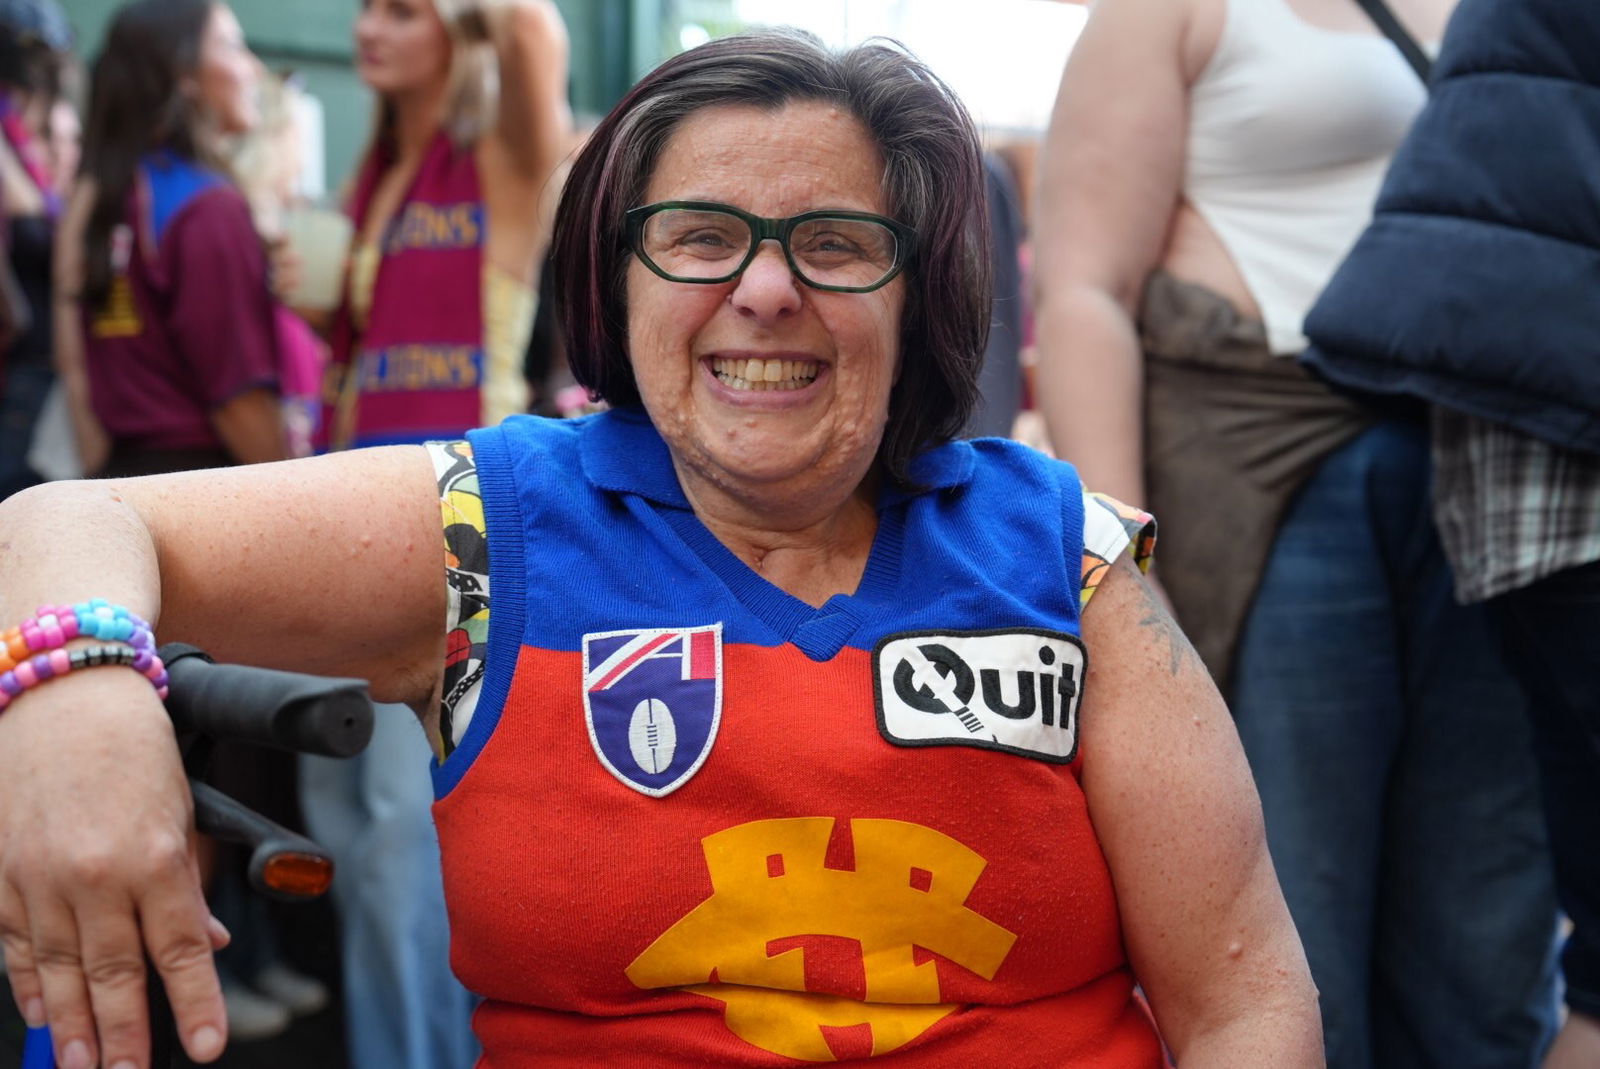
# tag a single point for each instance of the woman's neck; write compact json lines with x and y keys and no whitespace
{"x":810,"y":549}
{"x":415,"y":118}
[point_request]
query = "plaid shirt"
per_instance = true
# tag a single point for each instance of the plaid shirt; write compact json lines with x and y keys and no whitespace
{"x":1511,"y":509}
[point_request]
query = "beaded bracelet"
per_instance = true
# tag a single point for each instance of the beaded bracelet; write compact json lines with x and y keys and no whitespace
{"x":43,"y":667}
{"x":54,"y":626}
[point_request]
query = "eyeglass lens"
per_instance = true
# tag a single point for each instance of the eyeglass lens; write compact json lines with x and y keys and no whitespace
{"x":697,"y":244}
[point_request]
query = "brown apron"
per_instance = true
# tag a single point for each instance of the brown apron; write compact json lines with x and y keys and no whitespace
{"x":1231,"y":433}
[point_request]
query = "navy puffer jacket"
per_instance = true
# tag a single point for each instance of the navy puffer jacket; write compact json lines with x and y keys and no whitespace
{"x":1477,"y":285}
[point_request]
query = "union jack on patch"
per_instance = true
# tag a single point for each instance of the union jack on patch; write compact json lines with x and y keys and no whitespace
{"x":653,"y":701}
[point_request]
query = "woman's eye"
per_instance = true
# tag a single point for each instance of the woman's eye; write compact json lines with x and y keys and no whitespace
{"x":707,"y":239}
{"x":833,"y":244}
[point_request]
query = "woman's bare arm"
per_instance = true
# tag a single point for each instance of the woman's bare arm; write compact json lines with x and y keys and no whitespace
{"x":93,"y":444}
{"x":330,"y":565}
{"x":535,"y":121}
{"x":1175,"y":809}
{"x":1110,"y":174}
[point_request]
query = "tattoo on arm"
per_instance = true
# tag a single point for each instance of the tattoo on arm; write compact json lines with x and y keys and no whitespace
{"x":1153,"y":616}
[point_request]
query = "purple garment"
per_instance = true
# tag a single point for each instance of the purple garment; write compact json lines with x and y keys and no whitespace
{"x":190,"y":322}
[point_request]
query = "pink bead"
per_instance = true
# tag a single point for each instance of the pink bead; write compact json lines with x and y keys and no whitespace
{"x":69,"y":626}
{"x":26,"y":675}
{"x":53,"y":635}
{"x":60,"y":662}
{"x":32,"y":636}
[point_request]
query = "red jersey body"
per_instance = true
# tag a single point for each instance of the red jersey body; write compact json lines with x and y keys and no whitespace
{"x":696,"y":822}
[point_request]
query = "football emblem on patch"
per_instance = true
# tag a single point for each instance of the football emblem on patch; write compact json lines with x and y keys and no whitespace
{"x":1016,"y":691}
{"x":653,"y":700}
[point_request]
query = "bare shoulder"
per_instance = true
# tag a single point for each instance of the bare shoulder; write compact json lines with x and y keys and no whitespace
{"x":1184,"y":31}
{"x":1201,"y":33}
{"x":1129,"y":621}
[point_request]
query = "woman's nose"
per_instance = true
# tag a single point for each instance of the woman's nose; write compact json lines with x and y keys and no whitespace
{"x":768,"y":288}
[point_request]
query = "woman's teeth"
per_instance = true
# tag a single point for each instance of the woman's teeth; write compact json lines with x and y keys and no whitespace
{"x":765,"y":374}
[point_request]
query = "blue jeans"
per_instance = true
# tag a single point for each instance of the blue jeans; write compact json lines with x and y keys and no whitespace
{"x":1551,"y":634}
{"x":1391,"y":750}
{"x":403,"y":1007}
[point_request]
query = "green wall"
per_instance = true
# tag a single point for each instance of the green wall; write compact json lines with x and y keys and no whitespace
{"x":613,"y":41}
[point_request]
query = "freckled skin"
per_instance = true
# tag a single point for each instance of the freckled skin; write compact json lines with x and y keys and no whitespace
{"x":790,"y":458}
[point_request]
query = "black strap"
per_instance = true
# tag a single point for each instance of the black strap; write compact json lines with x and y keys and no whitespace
{"x":1379,"y":12}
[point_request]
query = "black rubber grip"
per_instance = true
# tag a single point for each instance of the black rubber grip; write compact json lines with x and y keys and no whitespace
{"x":286,"y":710}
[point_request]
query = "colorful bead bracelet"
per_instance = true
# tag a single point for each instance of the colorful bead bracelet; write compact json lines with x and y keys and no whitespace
{"x":35,"y":651}
{"x":43,"y":667}
{"x":53,"y":626}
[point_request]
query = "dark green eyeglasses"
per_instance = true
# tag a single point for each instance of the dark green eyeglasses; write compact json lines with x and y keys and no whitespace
{"x":702,"y":241}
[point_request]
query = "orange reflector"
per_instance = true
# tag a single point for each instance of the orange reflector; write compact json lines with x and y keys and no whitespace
{"x":302,"y":875}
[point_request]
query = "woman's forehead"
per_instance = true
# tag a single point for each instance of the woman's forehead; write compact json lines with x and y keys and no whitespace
{"x":772,"y":161}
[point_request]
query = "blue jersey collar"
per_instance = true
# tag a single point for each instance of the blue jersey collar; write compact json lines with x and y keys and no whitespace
{"x":623,"y":453}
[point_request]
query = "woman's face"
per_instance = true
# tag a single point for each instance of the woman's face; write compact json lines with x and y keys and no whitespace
{"x":833,"y":355}
{"x":227,"y":73}
{"x":401,"y":46}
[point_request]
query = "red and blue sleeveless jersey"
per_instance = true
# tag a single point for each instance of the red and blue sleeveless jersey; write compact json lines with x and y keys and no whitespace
{"x":696,"y":821}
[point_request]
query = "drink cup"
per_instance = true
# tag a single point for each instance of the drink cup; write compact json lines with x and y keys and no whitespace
{"x":320,"y":238}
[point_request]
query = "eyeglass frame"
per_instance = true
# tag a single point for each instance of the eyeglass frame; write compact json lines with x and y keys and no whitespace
{"x":763,"y":229}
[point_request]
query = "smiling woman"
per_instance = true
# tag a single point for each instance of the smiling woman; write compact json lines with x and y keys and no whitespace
{"x":781,"y":740}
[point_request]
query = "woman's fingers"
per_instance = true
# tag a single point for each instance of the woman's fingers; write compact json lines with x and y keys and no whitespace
{"x":81,"y":964}
{"x":17,"y":943}
{"x":180,"y":933}
{"x":58,"y":963}
{"x":220,"y":936}
{"x":113,"y":965}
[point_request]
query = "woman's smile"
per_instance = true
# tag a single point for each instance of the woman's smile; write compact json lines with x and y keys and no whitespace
{"x":758,"y":374}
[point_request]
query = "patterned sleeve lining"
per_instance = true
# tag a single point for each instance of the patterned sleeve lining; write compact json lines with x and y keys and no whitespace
{"x":1109,"y":528}
{"x":466,"y":562}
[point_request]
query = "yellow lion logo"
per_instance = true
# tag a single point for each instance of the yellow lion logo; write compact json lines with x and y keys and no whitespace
{"x":771,"y":891}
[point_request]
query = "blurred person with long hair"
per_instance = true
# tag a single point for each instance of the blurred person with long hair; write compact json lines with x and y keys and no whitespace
{"x":35,"y":55}
{"x":165,"y":329}
{"x":450,"y":208}
{"x":1208,"y":164}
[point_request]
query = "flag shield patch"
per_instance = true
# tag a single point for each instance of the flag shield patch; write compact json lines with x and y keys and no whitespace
{"x":653,"y":701}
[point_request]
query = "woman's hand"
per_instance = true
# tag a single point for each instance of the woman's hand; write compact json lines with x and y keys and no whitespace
{"x":285,"y":269}
{"x":97,"y":872}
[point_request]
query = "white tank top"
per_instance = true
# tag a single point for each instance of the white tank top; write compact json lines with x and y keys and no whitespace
{"x":1290,"y":129}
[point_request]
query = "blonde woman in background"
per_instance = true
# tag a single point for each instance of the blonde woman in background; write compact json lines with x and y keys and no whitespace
{"x":448,"y":210}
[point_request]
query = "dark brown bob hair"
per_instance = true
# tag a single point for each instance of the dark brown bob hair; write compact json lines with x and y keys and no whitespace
{"x":933,"y":182}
